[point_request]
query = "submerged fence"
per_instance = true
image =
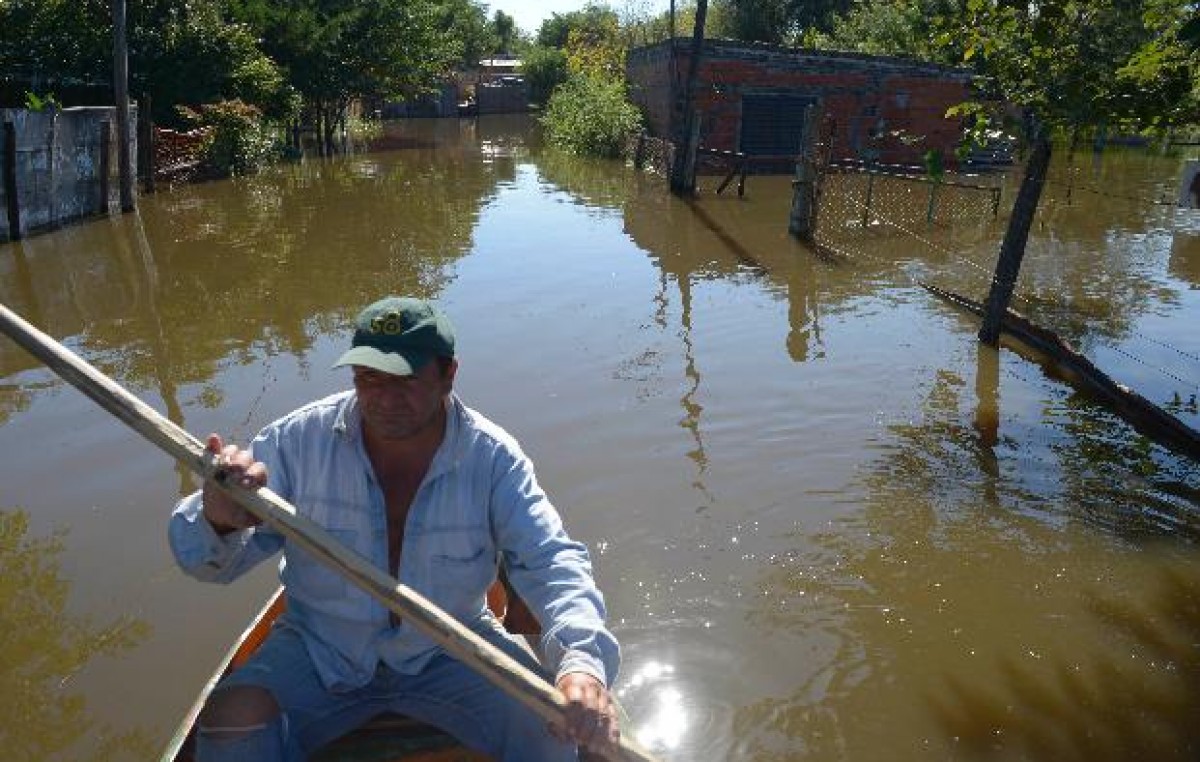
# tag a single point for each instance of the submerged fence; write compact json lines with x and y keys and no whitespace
{"x":57,"y":165}
{"x":856,"y":200}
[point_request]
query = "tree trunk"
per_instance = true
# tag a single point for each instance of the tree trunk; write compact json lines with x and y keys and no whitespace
{"x":1012,"y":250}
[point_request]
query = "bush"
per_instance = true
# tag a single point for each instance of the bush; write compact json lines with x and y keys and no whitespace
{"x":239,"y":142}
{"x":544,"y":70}
{"x":590,"y":115}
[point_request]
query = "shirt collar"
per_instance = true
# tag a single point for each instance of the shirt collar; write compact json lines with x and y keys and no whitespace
{"x":347,"y":424}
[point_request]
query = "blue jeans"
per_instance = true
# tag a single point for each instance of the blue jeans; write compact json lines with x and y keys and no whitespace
{"x":445,"y":694}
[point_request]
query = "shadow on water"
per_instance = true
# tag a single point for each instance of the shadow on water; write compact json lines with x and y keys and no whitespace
{"x":42,"y":649}
{"x":1139,"y":703}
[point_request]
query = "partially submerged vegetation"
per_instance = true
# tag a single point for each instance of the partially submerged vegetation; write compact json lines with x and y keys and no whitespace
{"x":257,"y":68}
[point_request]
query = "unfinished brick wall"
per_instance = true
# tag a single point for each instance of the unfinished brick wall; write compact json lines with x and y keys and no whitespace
{"x":884,"y":109}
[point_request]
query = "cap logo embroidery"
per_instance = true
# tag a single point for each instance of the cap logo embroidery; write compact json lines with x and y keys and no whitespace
{"x":389,"y":324}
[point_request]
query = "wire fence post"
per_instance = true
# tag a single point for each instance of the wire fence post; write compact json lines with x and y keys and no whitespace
{"x":10,"y":182}
{"x":802,"y":221}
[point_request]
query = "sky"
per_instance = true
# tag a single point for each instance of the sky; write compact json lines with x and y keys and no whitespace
{"x":530,"y":13}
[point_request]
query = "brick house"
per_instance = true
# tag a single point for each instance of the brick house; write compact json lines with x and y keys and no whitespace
{"x":752,"y":99}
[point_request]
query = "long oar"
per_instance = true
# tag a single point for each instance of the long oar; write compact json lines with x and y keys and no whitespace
{"x":495,"y":665}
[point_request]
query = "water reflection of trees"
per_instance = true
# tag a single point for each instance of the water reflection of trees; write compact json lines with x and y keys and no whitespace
{"x":42,"y":647}
{"x":236,"y":270}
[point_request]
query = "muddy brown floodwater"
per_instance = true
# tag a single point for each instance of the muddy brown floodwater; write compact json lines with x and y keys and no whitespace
{"x":829,"y":525}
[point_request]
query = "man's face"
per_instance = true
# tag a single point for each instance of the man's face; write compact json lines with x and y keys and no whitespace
{"x":399,"y":407}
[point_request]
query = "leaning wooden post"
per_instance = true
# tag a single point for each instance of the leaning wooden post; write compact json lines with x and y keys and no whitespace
{"x":802,"y":221}
{"x":121,"y":94}
{"x":1012,"y":250}
{"x":639,"y":152}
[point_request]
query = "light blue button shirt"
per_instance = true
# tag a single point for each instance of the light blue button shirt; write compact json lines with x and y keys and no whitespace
{"x":479,"y":501}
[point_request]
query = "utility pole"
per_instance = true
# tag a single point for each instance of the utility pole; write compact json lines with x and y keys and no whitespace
{"x":121,"y":94}
{"x":683,"y":171}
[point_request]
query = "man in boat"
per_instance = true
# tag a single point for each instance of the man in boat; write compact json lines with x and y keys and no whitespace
{"x":400,"y":470}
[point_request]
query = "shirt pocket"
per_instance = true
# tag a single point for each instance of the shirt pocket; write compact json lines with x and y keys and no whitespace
{"x":461,"y":564}
{"x":309,"y":578}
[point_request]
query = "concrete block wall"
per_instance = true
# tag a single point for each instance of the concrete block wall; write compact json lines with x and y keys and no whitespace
{"x":882,"y":108}
{"x":61,"y":174}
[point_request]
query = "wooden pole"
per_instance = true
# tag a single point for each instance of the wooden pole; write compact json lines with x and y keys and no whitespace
{"x":10,"y":182}
{"x":496,"y":666}
{"x":683,"y":181}
{"x":1012,"y":249}
{"x":105,"y":165}
{"x":146,"y":142}
{"x":802,"y":221}
{"x":121,"y":94}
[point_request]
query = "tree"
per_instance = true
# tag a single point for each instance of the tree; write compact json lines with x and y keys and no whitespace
{"x":592,"y":21}
{"x":190,"y":54}
{"x":896,"y":27}
{"x":336,"y":51}
{"x":544,"y":69}
{"x":181,"y":51}
{"x":504,"y":30}
{"x":597,"y":48}
{"x":1071,"y":65}
{"x":466,"y":21}
{"x":1081,"y":63}
{"x":775,"y":21}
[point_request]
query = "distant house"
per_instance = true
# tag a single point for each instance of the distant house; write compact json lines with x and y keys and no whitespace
{"x":498,"y":87}
{"x":441,"y":102}
{"x":499,"y":66}
{"x":752,"y":98}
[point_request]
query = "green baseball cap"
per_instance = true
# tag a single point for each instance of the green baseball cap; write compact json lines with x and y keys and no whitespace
{"x":399,"y":335}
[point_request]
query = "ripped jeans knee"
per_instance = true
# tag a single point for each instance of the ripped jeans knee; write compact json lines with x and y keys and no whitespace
{"x":262,"y":742}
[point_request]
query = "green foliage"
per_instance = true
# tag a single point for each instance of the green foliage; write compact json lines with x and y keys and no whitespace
{"x":238,"y":142}
{"x":590,"y":22}
{"x":597,"y":49}
{"x":590,"y":115}
{"x":894,"y":27}
{"x":544,"y":70}
{"x":1078,"y":63}
{"x":755,"y":20}
{"x":338,"y":50}
{"x":466,"y":22}
{"x":778,"y":22}
{"x":194,"y":56}
{"x":504,"y":30}
{"x":35,"y":103}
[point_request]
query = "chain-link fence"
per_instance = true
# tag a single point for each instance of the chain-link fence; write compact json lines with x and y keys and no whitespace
{"x":856,"y":201}
{"x":864,"y":201}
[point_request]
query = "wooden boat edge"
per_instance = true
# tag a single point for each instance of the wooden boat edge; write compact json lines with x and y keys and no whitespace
{"x":249,"y":640}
